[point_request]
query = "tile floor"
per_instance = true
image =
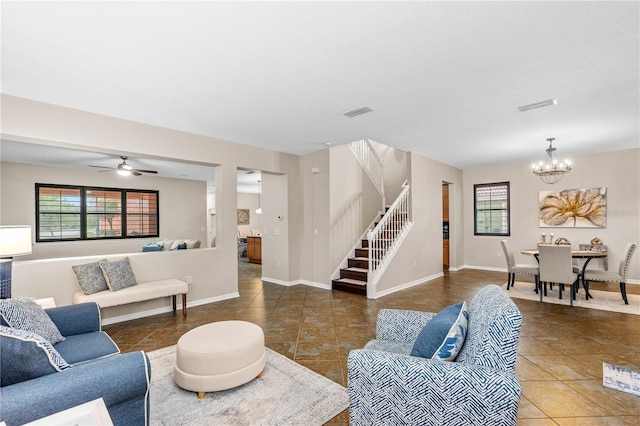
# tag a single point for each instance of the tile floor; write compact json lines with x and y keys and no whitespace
{"x":560,"y":353}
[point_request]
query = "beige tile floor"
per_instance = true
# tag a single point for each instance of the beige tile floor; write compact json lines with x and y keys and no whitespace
{"x":560,"y":353}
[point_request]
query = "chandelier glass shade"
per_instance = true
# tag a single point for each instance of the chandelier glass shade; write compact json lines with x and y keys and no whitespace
{"x":551,"y":170}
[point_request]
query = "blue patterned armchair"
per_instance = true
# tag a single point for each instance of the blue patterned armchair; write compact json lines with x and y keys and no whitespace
{"x":387,"y":386}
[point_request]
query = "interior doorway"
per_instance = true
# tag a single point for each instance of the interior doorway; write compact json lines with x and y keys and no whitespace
{"x":445,"y":227}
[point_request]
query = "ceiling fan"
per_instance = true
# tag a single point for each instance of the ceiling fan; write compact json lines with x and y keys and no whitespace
{"x":125,"y":169}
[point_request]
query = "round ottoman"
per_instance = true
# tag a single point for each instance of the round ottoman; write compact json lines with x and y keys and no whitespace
{"x":219,"y":356}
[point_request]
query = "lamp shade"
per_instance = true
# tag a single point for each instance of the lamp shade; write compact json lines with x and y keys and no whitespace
{"x":15,"y":240}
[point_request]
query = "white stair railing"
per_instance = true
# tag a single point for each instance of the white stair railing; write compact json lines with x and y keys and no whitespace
{"x":371,"y":163}
{"x":386,"y":237}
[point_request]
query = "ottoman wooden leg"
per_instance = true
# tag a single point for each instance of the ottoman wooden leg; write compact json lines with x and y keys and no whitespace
{"x":200,"y":395}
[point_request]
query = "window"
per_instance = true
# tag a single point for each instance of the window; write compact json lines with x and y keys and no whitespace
{"x":68,"y":213}
{"x":491,"y":209}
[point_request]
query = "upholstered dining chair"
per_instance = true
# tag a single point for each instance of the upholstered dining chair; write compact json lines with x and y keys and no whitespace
{"x":556,"y":267}
{"x":612,"y":276}
{"x":514,"y":268}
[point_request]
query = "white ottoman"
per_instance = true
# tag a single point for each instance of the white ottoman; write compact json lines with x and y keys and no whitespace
{"x":219,"y":356}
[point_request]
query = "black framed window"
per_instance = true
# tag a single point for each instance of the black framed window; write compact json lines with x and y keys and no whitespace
{"x":69,"y":213}
{"x":491,"y":209}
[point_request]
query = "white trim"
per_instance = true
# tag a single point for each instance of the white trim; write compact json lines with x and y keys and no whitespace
{"x":405,"y":286}
{"x":322,"y":286}
{"x":296,"y":282}
{"x":166,"y":309}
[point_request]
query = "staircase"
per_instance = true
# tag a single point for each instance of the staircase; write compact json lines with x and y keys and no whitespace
{"x":353,"y":278}
{"x":364,"y":270}
{"x":372,"y":252}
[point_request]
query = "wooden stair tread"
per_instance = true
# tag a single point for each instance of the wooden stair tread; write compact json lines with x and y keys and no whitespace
{"x":352,"y":281}
{"x":354,"y":269}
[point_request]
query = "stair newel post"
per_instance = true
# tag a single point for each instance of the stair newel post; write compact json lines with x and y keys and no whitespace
{"x":370,"y":239}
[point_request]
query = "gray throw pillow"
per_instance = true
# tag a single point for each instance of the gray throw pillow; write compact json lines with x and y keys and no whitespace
{"x":118,"y":274}
{"x":90,"y":277}
{"x":25,"y":314}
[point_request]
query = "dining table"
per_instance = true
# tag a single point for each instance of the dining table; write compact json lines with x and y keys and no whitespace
{"x":576,"y":254}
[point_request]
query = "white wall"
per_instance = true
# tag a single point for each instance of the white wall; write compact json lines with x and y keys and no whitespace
{"x":618,"y":171}
{"x":275,"y":232}
{"x":29,"y":121}
{"x":183,"y":207}
{"x":396,"y":169}
{"x":212,"y":281}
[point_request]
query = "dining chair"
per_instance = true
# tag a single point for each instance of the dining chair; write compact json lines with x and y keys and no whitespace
{"x":514,"y":268}
{"x":556,"y":267}
{"x":612,"y":276}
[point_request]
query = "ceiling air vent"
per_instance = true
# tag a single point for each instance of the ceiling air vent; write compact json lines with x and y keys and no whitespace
{"x":356,"y":112}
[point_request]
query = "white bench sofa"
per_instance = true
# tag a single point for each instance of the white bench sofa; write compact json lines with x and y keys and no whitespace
{"x":138,"y":293}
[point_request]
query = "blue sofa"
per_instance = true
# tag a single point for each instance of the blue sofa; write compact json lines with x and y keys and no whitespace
{"x":388,"y":386}
{"x":34,"y":385}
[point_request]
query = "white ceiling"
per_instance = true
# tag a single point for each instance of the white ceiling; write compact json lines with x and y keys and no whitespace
{"x":444,"y":79}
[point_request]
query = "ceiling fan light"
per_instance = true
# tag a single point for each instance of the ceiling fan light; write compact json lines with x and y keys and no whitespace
{"x":124,"y":172}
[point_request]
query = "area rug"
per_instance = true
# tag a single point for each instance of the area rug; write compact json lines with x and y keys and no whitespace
{"x":285,"y":394}
{"x":602,"y":300}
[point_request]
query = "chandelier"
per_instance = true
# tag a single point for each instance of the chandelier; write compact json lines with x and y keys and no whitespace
{"x":551,"y":171}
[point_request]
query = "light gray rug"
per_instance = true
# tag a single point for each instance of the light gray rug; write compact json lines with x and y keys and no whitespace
{"x":286,"y":394}
{"x":602,"y":300}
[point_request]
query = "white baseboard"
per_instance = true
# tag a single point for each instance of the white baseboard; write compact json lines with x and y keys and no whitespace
{"x":407,"y":285}
{"x":296,"y":282}
{"x":150,"y":312}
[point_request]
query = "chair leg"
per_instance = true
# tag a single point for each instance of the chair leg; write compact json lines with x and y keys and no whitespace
{"x":539,"y":287}
{"x":585,"y":284}
{"x":509,"y":279}
{"x":572,"y":295}
{"x":623,"y":291}
{"x":560,"y":287}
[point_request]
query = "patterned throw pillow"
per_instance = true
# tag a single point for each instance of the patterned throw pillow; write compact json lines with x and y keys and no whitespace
{"x":25,"y":314}
{"x":443,"y":336}
{"x":26,"y":355}
{"x":118,"y":274}
{"x":90,"y":277}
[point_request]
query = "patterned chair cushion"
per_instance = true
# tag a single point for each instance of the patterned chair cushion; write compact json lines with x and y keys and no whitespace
{"x":26,"y":355}
{"x":90,"y":277}
{"x":25,"y":314}
{"x":118,"y":274}
{"x":443,"y":336}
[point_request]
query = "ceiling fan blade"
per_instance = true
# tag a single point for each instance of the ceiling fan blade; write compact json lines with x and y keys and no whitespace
{"x":146,"y":171}
{"x":135,"y":173}
{"x":102,"y":167}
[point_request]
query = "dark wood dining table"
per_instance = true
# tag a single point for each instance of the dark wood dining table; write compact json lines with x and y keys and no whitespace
{"x":576,"y":254}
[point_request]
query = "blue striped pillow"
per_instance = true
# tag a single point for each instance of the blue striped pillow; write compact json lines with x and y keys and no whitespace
{"x":443,"y":336}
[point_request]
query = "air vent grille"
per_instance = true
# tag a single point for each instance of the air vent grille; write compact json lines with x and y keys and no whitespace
{"x":358,"y":111}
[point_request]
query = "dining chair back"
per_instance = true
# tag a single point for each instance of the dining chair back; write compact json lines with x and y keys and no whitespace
{"x":513,"y":268}
{"x":612,"y":276}
{"x":556,"y":267}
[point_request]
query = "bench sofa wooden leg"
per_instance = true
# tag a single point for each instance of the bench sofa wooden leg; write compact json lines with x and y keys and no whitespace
{"x":184,"y":304}
{"x":174,"y":302}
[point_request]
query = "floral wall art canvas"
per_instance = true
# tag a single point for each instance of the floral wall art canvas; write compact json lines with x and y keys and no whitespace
{"x":573,"y":208}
